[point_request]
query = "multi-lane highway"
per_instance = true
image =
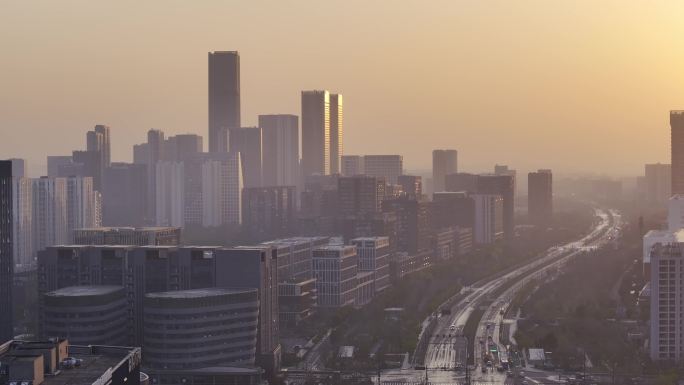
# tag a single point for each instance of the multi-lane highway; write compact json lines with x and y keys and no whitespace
{"x":488,"y":348}
{"x":447,"y":347}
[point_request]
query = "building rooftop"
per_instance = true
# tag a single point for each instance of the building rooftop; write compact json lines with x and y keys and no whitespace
{"x":197,"y":293}
{"x":334,"y":247}
{"x":150,"y":228}
{"x":82,"y":291}
{"x":98,"y":361}
{"x":372,"y":239}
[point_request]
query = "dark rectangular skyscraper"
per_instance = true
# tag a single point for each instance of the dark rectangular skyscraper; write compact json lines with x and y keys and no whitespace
{"x":315,"y":132}
{"x":6,"y":257}
{"x":280,"y":145}
{"x":677,"y":144}
{"x":224,"y":97}
{"x":540,"y":197}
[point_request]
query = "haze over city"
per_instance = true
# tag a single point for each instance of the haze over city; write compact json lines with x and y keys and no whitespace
{"x":341,"y":193}
{"x":507,"y":82}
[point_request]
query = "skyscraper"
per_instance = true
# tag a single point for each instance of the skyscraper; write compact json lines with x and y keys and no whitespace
{"x":336,"y":130}
{"x":280,"y":143}
{"x":540,"y":197}
{"x":360,"y":195}
{"x":384,"y":166}
{"x":315,"y":132}
{"x":155,"y":142}
{"x":677,"y":150}
{"x":22,"y":219}
{"x":49,"y":212}
{"x":489,"y":222}
{"x":170,"y":196}
{"x":221,"y":189}
{"x":224,"y":97}
{"x":658,"y":183}
{"x":106,"y":146}
{"x":126,"y":196}
{"x":411,"y":185}
{"x":181,"y":147}
{"x":6,"y":257}
{"x":81,"y":204}
{"x":248,"y":142}
{"x":268,"y":212}
{"x":503,"y":185}
{"x":444,"y":162}
{"x":352,"y":165}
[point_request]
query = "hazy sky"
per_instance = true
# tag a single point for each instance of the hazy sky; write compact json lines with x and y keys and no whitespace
{"x":573,"y":86}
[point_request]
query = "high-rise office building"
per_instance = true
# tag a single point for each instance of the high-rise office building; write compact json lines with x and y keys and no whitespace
{"x":280,"y":143}
{"x":181,"y":147}
{"x":248,"y":142}
{"x":336,"y":131}
{"x":141,"y":153}
{"x":315,"y":132}
{"x":461,"y":181}
{"x":54,"y":163}
{"x":170,"y":194}
{"x":224,"y":97}
{"x":22,"y":223}
{"x":503,"y":185}
{"x":384,"y":166}
{"x":444,"y":162}
{"x":97,"y":156}
{"x":352,"y":165}
{"x":104,"y":144}
{"x":6,"y":252}
{"x":360,"y":195}
{"x":451,"y":209}
{"x":411,"y":186}
{"x":677,"y":150}
{"x":221,"y":190}
{"x":154,"y":154}
{"x":489,"y":210}
{"x":268,"y":212}
{"x":540,"y":197}
{"x":125,"y":194}
{"x":658,"y":183}
{"x":413,"y":223}
{"x":81,"y":204}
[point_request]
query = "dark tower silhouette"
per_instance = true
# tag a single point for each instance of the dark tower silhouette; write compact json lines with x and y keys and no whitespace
{"x":6,"y":254}
{"x":677,"y":143}
{"x":224,"y":97}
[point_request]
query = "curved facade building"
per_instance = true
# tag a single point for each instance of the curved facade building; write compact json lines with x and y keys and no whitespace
{"x":192,"y":329}
{"x":87,"y":315}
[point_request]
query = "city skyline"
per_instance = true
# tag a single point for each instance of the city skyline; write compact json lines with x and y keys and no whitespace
{"x":545,"y":92}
